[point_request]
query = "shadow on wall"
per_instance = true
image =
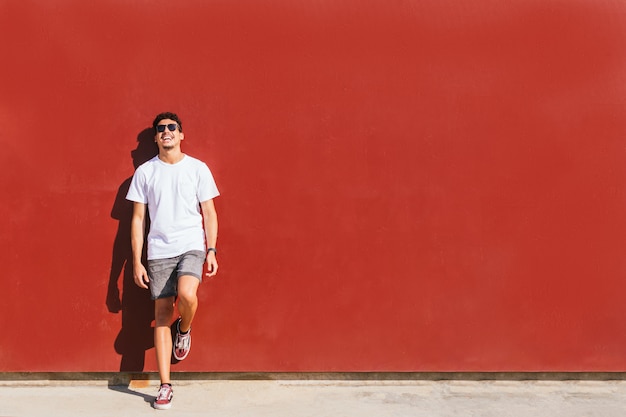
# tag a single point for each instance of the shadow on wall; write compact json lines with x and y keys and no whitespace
{"x":136,"y":334}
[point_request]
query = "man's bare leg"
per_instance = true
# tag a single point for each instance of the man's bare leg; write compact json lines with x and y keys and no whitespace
{"x":187,"y":300}
{"x":163,"y":314}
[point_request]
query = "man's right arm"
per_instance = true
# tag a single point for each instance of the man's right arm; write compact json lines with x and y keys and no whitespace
{"x":137,"y":225}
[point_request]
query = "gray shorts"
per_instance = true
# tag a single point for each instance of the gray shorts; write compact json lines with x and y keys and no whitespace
{"x":164,"y":273}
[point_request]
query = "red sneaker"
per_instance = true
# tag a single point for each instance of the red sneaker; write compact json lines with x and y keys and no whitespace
{"x":182,"y":343}
{"x":163,"y":400}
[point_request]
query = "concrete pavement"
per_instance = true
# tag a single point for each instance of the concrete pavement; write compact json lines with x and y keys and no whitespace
{"x":319,"y":398}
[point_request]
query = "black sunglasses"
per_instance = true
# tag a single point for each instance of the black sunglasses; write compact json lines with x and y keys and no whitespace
{"x":171,"y":127}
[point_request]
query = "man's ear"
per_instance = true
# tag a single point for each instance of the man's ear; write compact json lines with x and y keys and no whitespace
{"x":182,"y":136}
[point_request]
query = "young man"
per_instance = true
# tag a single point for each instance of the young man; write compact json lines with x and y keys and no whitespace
{"x":178,"y":192}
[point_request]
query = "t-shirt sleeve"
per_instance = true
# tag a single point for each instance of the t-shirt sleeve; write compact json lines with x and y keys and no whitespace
{"x":136,"y":192}
{"x":207,"y":189}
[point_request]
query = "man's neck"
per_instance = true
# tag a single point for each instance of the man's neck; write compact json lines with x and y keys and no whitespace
{"x":171,"y":156}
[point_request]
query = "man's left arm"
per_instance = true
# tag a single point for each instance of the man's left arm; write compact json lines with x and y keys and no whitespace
{"x":210,"y":229}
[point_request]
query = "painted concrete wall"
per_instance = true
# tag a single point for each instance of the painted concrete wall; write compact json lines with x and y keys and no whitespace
{"x":430,"y":185}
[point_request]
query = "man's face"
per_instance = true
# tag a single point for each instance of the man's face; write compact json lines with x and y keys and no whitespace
{"x":168,"y":139}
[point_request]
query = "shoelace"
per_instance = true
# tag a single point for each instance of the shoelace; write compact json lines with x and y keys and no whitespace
{"x":164,"y":392}
{"x":182,"y":341}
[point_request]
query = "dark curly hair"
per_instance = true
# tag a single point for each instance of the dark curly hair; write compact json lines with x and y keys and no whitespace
{"x":167,"y":115}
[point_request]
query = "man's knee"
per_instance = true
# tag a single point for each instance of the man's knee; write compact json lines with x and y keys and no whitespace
{"x":187,"y":296}
{"x":163,"y":311}
{"x":188,"y":289}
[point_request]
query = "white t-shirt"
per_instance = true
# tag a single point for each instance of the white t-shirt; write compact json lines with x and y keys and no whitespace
{"x":173,"y":193}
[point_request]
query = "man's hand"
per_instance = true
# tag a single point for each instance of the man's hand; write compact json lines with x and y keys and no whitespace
{"x":140,"y":275}
{"x":211,"y":261}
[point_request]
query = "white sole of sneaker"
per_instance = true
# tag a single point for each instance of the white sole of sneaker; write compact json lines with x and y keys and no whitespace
{"x":162,"y":406}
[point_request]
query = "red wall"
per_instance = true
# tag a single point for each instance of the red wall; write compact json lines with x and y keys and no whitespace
{"x":406,"y":186}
